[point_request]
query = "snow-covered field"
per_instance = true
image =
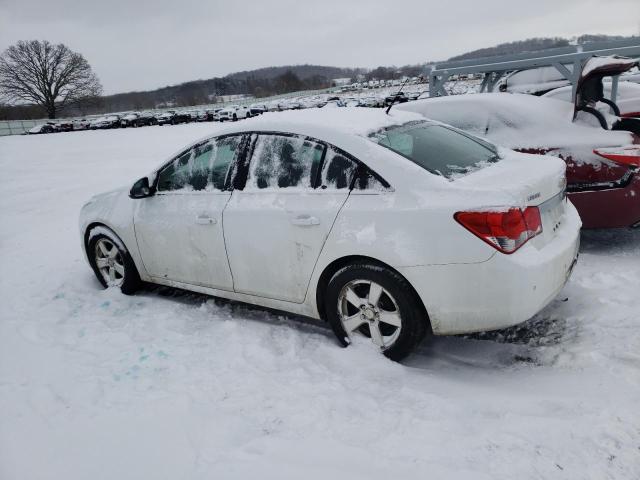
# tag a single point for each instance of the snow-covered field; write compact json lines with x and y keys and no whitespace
{"x":168,"y":385}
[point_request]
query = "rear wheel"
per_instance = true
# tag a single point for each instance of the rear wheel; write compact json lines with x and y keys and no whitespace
{"x":235,"y":117}
{"x":112,"y":264}
{"x":375,"y":302}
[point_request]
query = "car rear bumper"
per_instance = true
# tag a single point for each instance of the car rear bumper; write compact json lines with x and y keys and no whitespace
{"x":503,"y":291}
{"x":609,"y":208}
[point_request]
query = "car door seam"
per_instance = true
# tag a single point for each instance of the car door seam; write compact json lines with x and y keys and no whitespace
{"x":324,"y":242}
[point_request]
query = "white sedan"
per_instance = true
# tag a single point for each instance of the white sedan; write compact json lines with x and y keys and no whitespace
{"x":233,"y":113}
{"x":389,"y":227}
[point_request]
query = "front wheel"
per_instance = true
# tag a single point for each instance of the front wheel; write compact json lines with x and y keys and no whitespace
{"x":112,"y":264}
{"x":375,"y":302}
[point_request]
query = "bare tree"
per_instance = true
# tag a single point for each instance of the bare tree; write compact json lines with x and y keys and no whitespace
{"x":51,"y":76}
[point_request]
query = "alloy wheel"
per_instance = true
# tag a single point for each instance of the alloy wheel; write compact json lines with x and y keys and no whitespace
{"x":366,"y":307}
{"x":109,"y":262}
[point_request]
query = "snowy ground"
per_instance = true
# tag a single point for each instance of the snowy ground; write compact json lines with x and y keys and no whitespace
{"x":169,"y":385}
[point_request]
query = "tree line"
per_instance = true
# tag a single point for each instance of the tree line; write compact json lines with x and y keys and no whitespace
{"x":40,"y":79}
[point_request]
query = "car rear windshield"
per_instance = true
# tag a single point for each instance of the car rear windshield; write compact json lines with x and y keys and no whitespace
{"x":438,"y":149}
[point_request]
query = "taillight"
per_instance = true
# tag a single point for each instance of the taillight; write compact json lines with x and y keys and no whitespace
{"x":629,"y":155}
{"x":506,"y":230}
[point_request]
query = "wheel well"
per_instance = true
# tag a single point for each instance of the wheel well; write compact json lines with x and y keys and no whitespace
{"x":87,"y":232}
{"x":336,"y":265}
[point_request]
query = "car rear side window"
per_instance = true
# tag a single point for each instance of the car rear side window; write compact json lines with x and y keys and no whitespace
{"x":337,"y":170}
{"x":202,"y":168}
{"x":438,"y":149}
{"x":283,"y":161}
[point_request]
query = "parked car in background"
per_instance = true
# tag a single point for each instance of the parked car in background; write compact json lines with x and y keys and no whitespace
{"x":137,"y":119}
{"x":107,"y":121}
{"x":146,"y":119}
{"x":171,"y":117}
{"x":64,"y":126}
{"x":371,"y":102}
{"x":257,"y":109}
{"x":602,"y":184}
{"x":81,"y":124}
{"x":206,"y":115}
{"x":193,"y":115}
{"x":233,"y":113}
{"x":395,"y":98}
{"x":332,"y":103}
{"x":129,"y":120}
{"x":43,"y":128}
{"x":535,"y":81}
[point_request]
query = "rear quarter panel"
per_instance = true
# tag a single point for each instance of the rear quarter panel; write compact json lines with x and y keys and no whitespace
{"x":402,"y":230}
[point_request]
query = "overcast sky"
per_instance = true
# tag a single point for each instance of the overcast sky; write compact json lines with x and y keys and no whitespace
{"x":139,"y":45}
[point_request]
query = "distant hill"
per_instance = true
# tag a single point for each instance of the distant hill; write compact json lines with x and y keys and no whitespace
{"x":301,"y":71}
{"x":533,"y":45}
{"x":258,"y":83}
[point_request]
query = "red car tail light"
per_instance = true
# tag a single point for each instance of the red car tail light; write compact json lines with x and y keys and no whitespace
{"x":629,"y":155}
{"x":507,"y":230}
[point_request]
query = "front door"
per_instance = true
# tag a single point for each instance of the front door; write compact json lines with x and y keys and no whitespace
{"x":179,"y":229}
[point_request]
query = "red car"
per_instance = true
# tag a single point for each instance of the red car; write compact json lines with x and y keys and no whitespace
{"x":603,"y":165}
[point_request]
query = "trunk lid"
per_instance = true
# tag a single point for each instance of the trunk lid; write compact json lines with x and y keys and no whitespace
{"x":524,"y":180}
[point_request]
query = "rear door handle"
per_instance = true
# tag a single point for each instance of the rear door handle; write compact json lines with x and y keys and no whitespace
{"x":205,"y":220}
{"x":305,"y":220}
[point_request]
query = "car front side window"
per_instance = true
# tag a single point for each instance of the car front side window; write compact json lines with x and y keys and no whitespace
{"x":201,"y":168}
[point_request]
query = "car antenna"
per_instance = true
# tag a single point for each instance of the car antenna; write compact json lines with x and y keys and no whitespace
{"x":393,"y":100}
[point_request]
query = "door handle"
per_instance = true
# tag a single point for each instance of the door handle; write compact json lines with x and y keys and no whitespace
{"x":205,"y":220}
{"x":305,"y":220}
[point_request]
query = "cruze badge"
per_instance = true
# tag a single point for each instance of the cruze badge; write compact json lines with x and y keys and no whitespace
{"x":533,"y":197}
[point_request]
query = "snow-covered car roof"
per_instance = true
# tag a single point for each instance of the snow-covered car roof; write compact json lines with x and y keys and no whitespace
{"x":516,"y":120}
{"x":328,"y":123}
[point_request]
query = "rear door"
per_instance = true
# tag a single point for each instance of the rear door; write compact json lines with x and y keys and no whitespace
{"x":277,"y":222}
{"x":179,"y":229}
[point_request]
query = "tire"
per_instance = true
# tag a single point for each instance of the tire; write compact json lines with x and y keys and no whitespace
{"x":235,"y":117}
{"x":397,"y":303}
{"x":99,"y":247}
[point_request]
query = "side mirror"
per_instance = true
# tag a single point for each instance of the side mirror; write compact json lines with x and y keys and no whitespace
{"x":141,"y":189}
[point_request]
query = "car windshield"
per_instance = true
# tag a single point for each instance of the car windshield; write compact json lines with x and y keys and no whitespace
{"x":438,"y":149}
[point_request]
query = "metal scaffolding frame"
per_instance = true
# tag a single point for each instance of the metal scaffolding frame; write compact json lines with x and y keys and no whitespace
{"x":567,"y":60}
